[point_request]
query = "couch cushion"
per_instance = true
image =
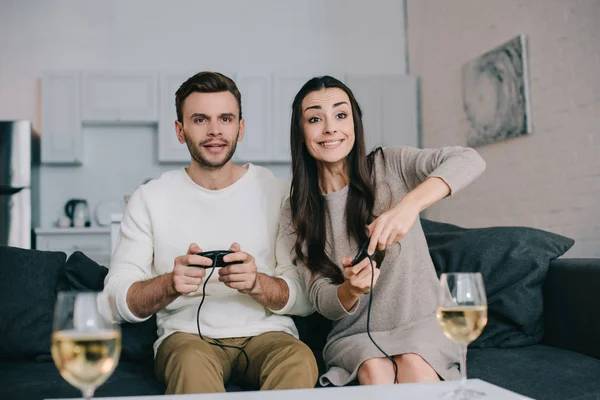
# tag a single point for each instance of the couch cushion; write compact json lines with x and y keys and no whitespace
{"x":540,"y":372}
{"x":313,"y":331}
{"x":80,"y":273}
{"x":31,"y":380}
{"x":513,"y":262}
{"x":28,"y":281}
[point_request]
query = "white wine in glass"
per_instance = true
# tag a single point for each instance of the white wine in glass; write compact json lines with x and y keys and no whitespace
{"x":86,"y":339}
{"x":462,"y":314}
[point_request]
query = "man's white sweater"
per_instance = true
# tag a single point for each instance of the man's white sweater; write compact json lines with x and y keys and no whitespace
{"x":166,"y":215}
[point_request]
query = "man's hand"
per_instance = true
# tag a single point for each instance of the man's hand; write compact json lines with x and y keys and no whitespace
{"x":146,"y":298}
{"x":241,"y":277}
{"x":188,"y":279}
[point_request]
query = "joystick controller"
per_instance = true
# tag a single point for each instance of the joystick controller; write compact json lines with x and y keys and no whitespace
{"x":218,"y":256}
{"x":362,"y":253}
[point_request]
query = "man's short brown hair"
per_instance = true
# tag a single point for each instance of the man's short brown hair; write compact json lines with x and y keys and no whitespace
{"x":206,"y":82}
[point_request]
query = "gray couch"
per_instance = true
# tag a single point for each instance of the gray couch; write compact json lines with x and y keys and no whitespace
{"x":559,"y":361}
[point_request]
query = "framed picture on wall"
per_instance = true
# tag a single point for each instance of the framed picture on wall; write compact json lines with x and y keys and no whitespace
{"x":496,"y":94}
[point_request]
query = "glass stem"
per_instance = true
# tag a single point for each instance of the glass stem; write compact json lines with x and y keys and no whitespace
{"x":87,"y":393}
{"x":463,"y":366}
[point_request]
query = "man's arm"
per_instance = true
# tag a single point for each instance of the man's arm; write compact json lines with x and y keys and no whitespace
{"x":270,"y":291}
{"x":145,"y":298}
{"x":131,"y":261}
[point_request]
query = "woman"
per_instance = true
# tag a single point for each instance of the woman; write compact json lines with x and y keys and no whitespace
{"x":340,"y":198}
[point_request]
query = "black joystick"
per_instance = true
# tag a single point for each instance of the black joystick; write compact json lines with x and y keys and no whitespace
{"x":218,"y":255}
{"x":362,"y":253}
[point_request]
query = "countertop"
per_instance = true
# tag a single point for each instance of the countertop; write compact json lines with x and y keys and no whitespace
{"x":70,"y":231}
{"x":116,"y":218}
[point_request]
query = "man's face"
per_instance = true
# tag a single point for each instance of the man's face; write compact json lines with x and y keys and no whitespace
{"x":211,"y":127}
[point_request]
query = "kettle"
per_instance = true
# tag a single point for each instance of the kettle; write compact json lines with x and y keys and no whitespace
{"x":78,"y":212}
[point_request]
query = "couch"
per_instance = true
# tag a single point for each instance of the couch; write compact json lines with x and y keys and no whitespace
{"x":542,"y":338}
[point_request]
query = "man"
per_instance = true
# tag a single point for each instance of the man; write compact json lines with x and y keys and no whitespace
{"x":212,"y":204}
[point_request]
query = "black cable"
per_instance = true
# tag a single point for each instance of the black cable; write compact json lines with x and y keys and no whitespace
{"x":223,"y":346}
{"x":369,"y":322}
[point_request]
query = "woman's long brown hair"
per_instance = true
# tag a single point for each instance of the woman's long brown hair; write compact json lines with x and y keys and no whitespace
{"x":306,"y":200}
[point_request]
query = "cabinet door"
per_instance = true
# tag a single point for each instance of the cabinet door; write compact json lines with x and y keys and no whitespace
{"x":389,"y":106}
{"x":62,"y":139}
{"x":401,"y":111}
{"x":368,"y":93}
{"x":257,"y":145}
{"x":169,"y":148}
{"x":285,"y":89}
{"x":94,"y":245}
{"x":119,"y":97}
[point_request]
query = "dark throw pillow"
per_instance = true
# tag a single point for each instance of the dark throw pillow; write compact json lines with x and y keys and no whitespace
{"x":80,"y":274}
{"x":513,"y":262}
{"x":28,"y":280}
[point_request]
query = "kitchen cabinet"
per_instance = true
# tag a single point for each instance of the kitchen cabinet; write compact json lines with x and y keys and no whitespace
{"x":61,"y":137}
{"x":400,"y":97}
{"x":256,"y":93}
{"x":285,"y":89}
{"x":119,"y":97}
{"x":93,"y":242}
{"x":169,"y":148}
{"x":390,"y":109}
{"x":71,"y":100}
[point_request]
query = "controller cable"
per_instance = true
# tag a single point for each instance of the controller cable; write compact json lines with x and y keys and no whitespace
{"x":369,"y":321}
{"x":222,"y":346}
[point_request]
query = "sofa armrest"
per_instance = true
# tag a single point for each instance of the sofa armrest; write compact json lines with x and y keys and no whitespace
{"x":572,"y":304}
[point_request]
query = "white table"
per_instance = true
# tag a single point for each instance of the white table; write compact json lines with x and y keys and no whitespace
{"x":404,"y":391}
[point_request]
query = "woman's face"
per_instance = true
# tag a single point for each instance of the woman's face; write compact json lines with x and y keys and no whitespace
{"x":328,"y":125}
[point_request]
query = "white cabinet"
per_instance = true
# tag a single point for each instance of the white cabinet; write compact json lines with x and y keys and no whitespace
{"x":285,"y":89}
{"x":120,"y":97}
{"x":401,"y":111}
{"x":256,"y":105}
{"x":93,"y":242}
{"x":62,"y":141}
{"x":169,"y":148}
{"x":368,"y":93}
{"x":389,"y":106}
{"x":72,"y":99}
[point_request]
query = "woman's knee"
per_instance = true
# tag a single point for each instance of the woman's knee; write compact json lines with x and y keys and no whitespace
{"x":413,"y":368}
{"x":376,"y":371}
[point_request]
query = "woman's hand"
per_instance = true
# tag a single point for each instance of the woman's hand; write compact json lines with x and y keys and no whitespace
{"x":358,"y":277}
{"x":392,"y":225}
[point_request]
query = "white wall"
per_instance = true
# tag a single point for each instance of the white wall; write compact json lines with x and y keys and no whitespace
{"x":313,"y":36}
{"x":550,"y":179}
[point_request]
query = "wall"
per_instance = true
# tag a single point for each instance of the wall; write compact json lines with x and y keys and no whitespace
{"x":139,"y":35}
{"x":550,"y":179}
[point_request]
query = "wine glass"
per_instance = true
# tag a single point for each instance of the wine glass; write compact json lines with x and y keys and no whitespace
{"x":462,"y":314}
{"x":86,"y":339}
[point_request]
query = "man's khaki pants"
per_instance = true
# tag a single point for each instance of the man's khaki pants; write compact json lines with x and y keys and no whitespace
{"x":188,"y":364}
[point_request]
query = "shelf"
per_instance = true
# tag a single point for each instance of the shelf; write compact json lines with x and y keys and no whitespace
{"x":71,"y":231}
